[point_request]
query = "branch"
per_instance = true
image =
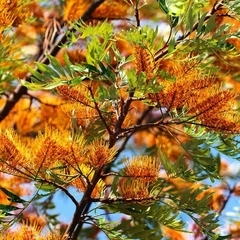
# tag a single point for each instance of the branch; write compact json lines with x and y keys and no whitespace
{"x":124,"y":112}
{"x":64,"y":190}
{"x":75,"y":226}
{"x":225,"y":201}
{"x":12,"y":100}
{"x":124,"y":200}
{"x":40,"y":101}
{"x":126,"y":131}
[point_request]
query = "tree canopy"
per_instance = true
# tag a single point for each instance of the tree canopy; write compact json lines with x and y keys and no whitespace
{"x":130,"y":109}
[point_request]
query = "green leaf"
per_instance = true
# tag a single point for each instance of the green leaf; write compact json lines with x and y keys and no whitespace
{"x":166,"y":162}
{"x":45,"y":187}
{"x":68,"y":64}
{"x":123,"y":225}
{"x":47,"y":71}
{"x":201,"y":22}
{"x":57,"y":66}
{"x":171,"y":45}
{"x":6,"y":209}
{"x":102,"y":93}
{"x":107,"y":73}
{"x":174,"y":21}
{"x":145,"y":233}
{"x":53,"y":85}
{"x":55,"y":178}
{"x":190,"y":21}
{"x":163,"y":6}
{"x":211,"y":24}
{"x":36,"y":74}
{"x":132,"y":78}
{"x":177,"y":7}
{"x":12,"y":197}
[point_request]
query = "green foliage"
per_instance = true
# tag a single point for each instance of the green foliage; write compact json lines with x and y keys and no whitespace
{"x":142,"y":215}
{"x":99,"y":39}
{"x":143,"y":36}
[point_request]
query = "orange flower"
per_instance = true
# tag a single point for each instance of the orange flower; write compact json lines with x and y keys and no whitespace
{"x":13,"y":13}
{"x":133,"y":188}
{"x":99,"y":154}
{"x":145,"y":167}
{"x":12,"y":151}
{"x":144,"y":61}
{"x":51,"y":148}
{"x":29,"y":231}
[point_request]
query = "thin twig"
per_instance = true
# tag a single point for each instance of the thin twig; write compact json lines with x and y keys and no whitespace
{"x":63,"y":189}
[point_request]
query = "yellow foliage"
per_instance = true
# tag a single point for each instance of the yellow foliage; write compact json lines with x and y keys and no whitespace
{"x":50,"y":147}
{"x":12,"y":151}
{"x":202,"y":95}
{"x":234,"y":229}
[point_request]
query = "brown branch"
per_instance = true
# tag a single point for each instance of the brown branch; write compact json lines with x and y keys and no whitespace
{"x":40,"y":101}
{"x":63,"y":189}
{"x":124,"y":200}
{"x":75,"y":226}
{"x":124,"y":111}
{"x":12,"y":100}
{"x":126,"y":131}
{"x":137,"y":14}
{"x":225,"y":201}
